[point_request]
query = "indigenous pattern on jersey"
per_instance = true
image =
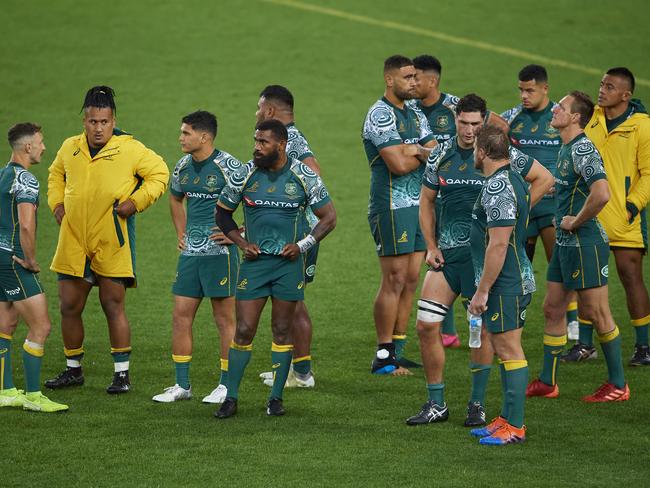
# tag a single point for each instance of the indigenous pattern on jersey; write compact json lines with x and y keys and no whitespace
{"x":274,"y":201}
{"x":531,"y":132}
{"x":504,"y":202}
{"x":387,"y":125}
{"x":17,"y":185}
{"x":298,"y":148}
{"x":450,"y":171}
{"x":578,"y":165}
{"x":442,"y":117}
{"x":201,"y":184}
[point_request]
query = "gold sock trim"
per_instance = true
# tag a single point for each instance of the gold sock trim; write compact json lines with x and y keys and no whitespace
{"x":608,"y":336}
{"x":303,"y":358}
{"x":584,"y":321}
{"x":513,"y":364}
{"x":5,"y":336}
{"x":635,"y":322}
{"x":73,"y":352}
{"x":572,"y":306}
{"x":178,"y":358}
{"x":281,"y":347}
{"x":550,"y":340}
{"x":223,"y":363}
{"x":120,"y":349}
{"x":34,"y":349}
{"x":237,"y":347}
{"x":399,"y":336}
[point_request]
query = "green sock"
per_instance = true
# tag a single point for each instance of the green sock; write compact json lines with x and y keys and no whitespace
{"x":611,"y":346}
{"x":223,"y":380}
{"x":505,"y":408}
{"x":6,"y":374}
{"x":238,"y":358}
{"x":281,"y":359}
{"x":182,"y":367}
{"x":436,"y":393}
{"x":480,"y":377}
{"x":32,"y":358}
{"x":553,"y":347}
{"x":448,"y":324}
{"x":399,"y":341}
{"x":572,"y":312}
{"x":517,"y":379}
{"x":641,"y":330}
{"x":585,"y":332}
{"x":302,"y":365}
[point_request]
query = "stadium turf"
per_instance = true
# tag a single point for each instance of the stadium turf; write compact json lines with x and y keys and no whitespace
{"x":166,"y":59}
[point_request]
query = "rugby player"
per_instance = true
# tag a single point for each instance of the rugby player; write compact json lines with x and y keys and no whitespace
{"x":208,"y":264}
{"x":21,"y":292}
{"x":620,"y":129}
{"x":530,"y":131}
{"x":97,"y":182}
{"x":397,"y":141}
{"x":272,"y":188}
{"x":276,"y":102}
{"x":440,"y":110}
{"x":450,"y":173}
{"x":504,"y":277}
{"x":581,"y":252}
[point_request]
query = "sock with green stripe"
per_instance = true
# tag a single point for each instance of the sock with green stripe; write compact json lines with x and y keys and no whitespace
{"x":610,"y":343}
{"x":480,"y":377}
{"x":182,"y":367}
{"x":6,"y":373}
{"x":553,"y":347}
{"x":572,"y":312}
{"x":517,"y":380}
{"x":223,"y":363}
{"x":302,"y":365}
{"x":281,"y":360}
{"x":585,"y":332}
{"x":238,"y":358}
{"x":436,"y":392}
{"x":448,"y":324}
{"x":32,"y":358}
{"x":641,"y":330}
{"x":399,"y":341}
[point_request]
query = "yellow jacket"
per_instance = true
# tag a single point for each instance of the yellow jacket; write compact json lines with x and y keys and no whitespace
{"x":626,"y":155}
{"x":89,"y":188}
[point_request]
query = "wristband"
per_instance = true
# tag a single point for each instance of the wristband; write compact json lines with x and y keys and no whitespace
{"x":306,"y":244}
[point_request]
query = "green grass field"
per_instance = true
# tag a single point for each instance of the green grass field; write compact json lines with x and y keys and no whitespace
{"x":166,"y":59}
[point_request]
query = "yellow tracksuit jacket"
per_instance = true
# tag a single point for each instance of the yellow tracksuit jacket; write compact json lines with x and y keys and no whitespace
{"x":89,"y":188}
{"x":626,"y":156}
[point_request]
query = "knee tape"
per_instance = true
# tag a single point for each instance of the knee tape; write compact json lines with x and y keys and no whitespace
{"x":430,"y":311}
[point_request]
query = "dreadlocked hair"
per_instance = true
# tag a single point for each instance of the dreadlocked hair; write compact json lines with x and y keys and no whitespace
{"x":100,"y":97}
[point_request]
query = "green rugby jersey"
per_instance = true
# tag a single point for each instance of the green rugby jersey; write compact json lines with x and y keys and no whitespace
{"x":17,"y":185}
{"x":201,"y":183}
{"x":504,"y":201}
{"x":579,"y":164}
{"x":442,"y":117}
{"x":450,"y":172}
{"x":274,"y":201}
{"x":386,"y":125}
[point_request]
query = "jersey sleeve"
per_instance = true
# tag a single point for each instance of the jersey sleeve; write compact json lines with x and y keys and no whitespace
{"x":232,"y":193}
{"x":175,"y":181}
{"x":229,"y":165}
{"x":510,"y":114}
{"x":520,"y":162}
{"x":298,"y":147}
{"x":153,"y":171}
{"x":587,"y":162}
{"x":639,"y":195}
{"x":430,"y":176}
{"x":380,"y":127}
{"x":500,"y":203}
{"x":25,"y":188}
{"x":317,"y":194}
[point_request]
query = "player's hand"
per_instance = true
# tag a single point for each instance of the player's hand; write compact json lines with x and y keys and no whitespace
{"x":28,"y":264}
{"x":290,"y":251}
{"x":478,"y":305}
{"x":411,"y":150}
{"x":180,"y":245}
{"x":59,"y":213}
{"x":435,"y":258}
{"x":551,"y":190}
{"x":251,"y":251}
{"x":125,"y":209}
{"x":219,"y":237}
{"x":567,"y":223}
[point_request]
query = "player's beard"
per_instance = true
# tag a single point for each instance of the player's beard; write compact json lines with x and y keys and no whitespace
{"x":404,"y":94}
{"x":265,"y":162}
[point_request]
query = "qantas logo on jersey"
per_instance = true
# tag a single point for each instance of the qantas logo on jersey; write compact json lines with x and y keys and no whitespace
{"x":269,"y":203}
{"x":537,"y":142}
{"x":415,"y":140}
{"x":191,"y":194}
{"x":459,"y":181}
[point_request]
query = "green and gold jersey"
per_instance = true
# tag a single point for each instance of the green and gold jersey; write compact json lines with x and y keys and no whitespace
{"x":442,"y":117}
{"x":17,"y":185}
{"x":504,"y":201}
{"x":531,"y":132}
{"x":274,"y":202}
{"x":386,"y":125}
{"x":201,"y":183}
{"x":298,"y":148}
{"x":450,"y":172}
{"x":579,"y":164}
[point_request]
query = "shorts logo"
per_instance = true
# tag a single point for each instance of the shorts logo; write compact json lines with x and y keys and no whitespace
{"x":242,"y":284}
{"x":310,"y":270}
{"x":275,"y":366}
{"x":4,"y":350}
{"x":378,"y":247}
{"x":494,"y":317}
{"x":300,"y":285}
{"x":522,"y":315}
{"x":224,"y":281}
{"x":605,"y":271}
{"x":290,"y":188}
{"x":575,"y":274}
{"x":15,"y":291}
{"x":404,"y":238}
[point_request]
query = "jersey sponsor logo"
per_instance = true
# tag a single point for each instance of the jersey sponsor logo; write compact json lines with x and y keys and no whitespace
{"x":223,"y":281}
{"x":415,"y":140}
{"x":459,"y":181}
{"x":404,"y":237}
{"x":290,"y":188}
{"x":575,"y":274}
{"x":242,"y":284}
{"x":249,"y":202}
{"x":494,"y":317}
{"x":605,"y":271}
{"x":208,"y":196}
{"x":538,"y":142}
{"x":15,"y":291}
{"x":258,"y":202}
{"x":253,"y":187}
{"x":312,"y":269}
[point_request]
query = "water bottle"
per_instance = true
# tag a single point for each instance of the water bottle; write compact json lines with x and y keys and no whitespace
{"x":475,"y":324}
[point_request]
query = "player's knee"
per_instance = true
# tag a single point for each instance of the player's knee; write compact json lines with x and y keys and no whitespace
{"x":70,"y":308}
{"x":245,"y":332}
{"x":427,"y":330}
{"x":553,"y":311}
{"x":630,"y":275}
{"x":113,"y":308}
{"x":395,"y":281}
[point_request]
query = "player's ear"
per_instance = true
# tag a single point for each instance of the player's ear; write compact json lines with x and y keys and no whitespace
{"x":388,"y":79}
